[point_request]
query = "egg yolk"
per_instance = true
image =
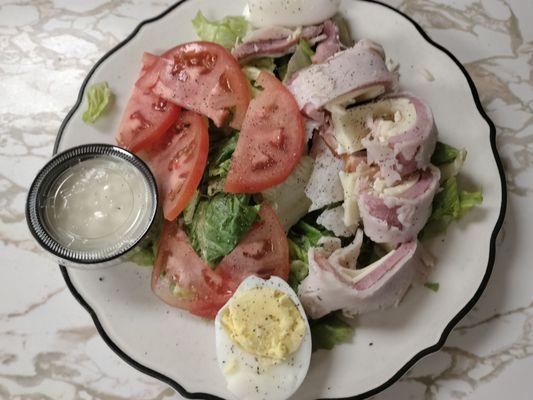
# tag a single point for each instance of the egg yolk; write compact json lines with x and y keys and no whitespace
{"x":265,"y":322}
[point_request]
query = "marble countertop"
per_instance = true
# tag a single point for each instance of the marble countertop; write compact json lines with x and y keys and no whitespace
{"x":49,"y":348}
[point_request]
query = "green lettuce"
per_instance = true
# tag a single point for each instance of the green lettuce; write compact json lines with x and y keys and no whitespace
{"x":144,"y":253}
{"x":254,"y":68}
{"x":449,"y":205}
{"x":345,"y":36}
{"x":449,"y":160}
{"x":432,"y":286}
{"x":220,"y":160}
{"x":226,"y":32}
{"x":299,"y":60}
{"x":329,"y":331}
{"x":219,"y":223}
{"x":98,"y":98}
{"x":444,"y":154}
{"x":301,"y":238}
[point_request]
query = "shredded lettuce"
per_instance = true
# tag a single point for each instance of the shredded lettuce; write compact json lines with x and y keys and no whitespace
{"x":329,"y":331}
{"x":226,"y":32}
{"x":98,"y":98}
{"x":449,"y":204}
{"x":219,"y":223}
{"x":299,"y":60}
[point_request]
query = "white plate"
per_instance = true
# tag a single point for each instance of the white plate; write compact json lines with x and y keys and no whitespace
{"x":180,"y":349}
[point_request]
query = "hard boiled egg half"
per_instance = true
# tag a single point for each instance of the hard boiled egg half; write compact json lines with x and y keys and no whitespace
{"x":290,"y":13}
{"x":263,"y":340}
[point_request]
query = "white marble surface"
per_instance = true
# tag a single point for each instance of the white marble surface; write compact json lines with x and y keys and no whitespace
{"x":49,"y":348}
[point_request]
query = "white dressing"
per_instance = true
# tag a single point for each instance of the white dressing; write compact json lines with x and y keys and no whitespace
{"x":96,"y":203}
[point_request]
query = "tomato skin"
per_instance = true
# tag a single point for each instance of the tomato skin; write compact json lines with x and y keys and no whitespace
{"x":201,"y":290}
{"x":263,"y":251}
{"x":178,"y":161}
{"x":146,"y":117}
{"x":203,"y":77}
{"x":271,"y":141}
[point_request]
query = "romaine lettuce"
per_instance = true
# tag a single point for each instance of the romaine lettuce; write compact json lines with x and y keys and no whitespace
{"x":449,"y":204}
{"x":98,"y":98}
{"x":329,"y":331}
{"x":219,"y":223}
{"x":300,"y":59}
{"x":226,"y":32}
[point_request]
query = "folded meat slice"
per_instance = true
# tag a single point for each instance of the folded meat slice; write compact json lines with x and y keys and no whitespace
{"x":356,"y":74}
{"x":398,"y":132}
{"x":331,"y":45}
{"x":396,"y":214}
{"x":275,"y":42}
{"x":334,"y":283}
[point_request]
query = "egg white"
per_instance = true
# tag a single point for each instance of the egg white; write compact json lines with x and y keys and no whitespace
{"x":274,"y":382}
{"x":290,"y":13}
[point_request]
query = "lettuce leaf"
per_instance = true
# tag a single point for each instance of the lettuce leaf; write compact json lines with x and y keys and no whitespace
{"x":220,"y":160}
{"x":226,"y":32}
{"x":301,"y":238}
{"x":449,"y":160}
{"x":449,"y":205}
{"x":329,"y":331}
{"x":219,"y":223}
{"x":435,"y":286}
{"x":254,"y":68}
{"x":300,"y":59}
{"x":144,"y":253}
{"x":345,"y":36}
{"x":98,"y":98}
{"x":444,"y":154}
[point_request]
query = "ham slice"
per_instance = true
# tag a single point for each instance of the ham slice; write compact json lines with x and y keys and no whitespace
{"x":352,"y":75}
{"x":269,"y":42}
{"x":334,"y":283}
{"x":331,"y":45}
{"x":402,"y":135}
{"x":396,"y":214}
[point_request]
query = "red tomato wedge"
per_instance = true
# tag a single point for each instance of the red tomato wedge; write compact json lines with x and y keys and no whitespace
{"x":146,"y":117}
{"x":182,"y":279}
{"x":203,"y":77}
{"x":178,"y":161}
{"x":271,"y":141}
{"x":263,"y":251}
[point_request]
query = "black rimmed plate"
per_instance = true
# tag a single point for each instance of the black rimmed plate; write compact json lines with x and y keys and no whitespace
{"x":179,"y":349}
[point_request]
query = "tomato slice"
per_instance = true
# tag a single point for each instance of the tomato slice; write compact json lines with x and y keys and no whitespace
{"x":203,"y":77}
{"x":182,"y":279}
{"x":271,"y":141}
{"x":178,"y":161}
{"x":147,"y":116}
{"x":263,"y":251}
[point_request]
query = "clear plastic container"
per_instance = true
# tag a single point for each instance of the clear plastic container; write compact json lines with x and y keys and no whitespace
{"x":92,"y":204}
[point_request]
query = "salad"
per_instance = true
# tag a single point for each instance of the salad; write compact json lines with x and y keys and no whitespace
{"x":298,"y":182}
